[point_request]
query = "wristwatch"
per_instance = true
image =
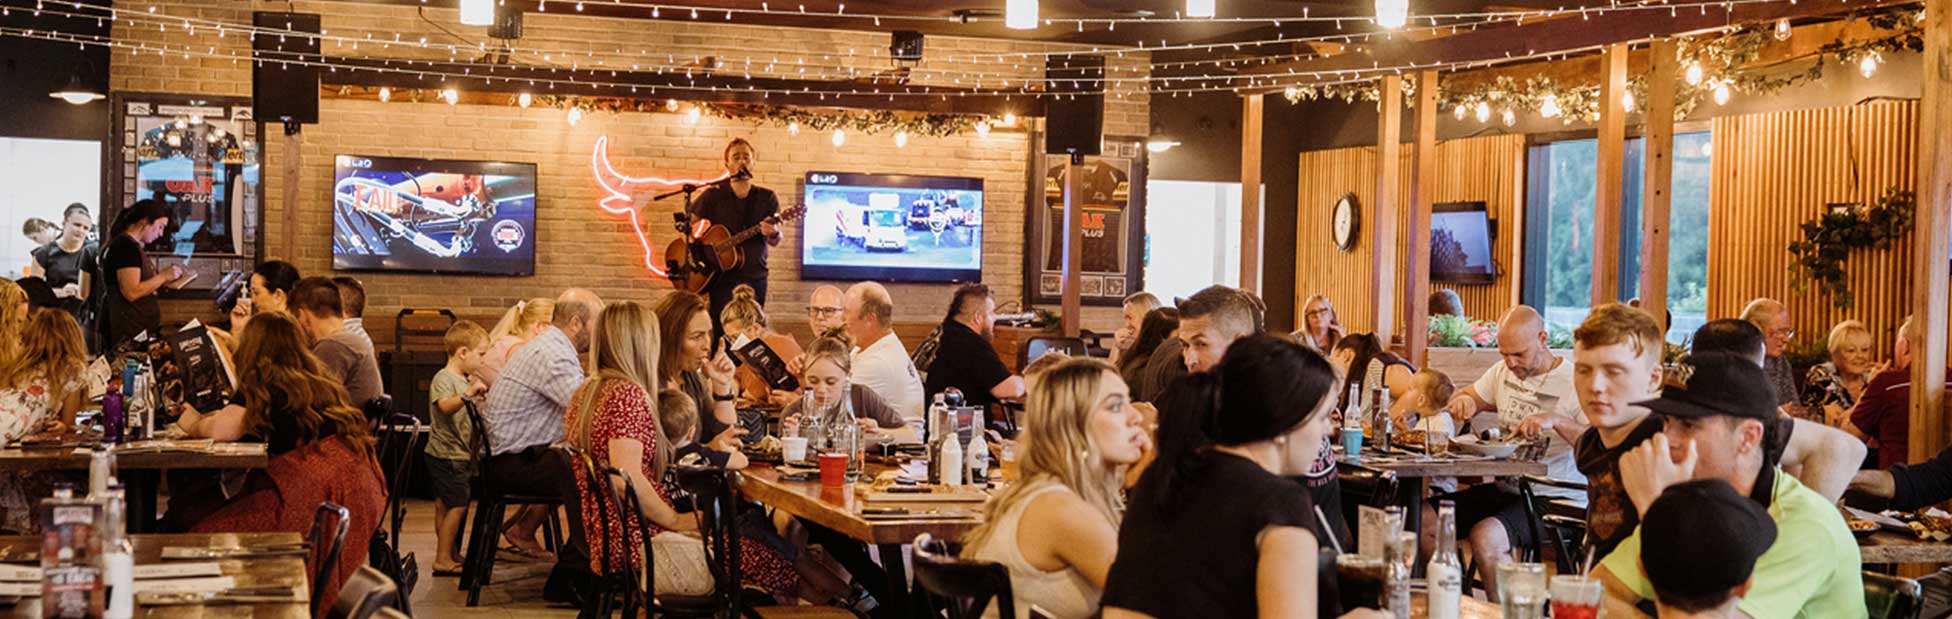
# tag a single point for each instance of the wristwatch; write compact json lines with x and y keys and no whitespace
{"x":725,"y":398}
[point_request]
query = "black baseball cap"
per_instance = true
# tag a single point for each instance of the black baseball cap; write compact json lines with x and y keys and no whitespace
{"x":1716,"y":383}
{"x":1702,"y":538}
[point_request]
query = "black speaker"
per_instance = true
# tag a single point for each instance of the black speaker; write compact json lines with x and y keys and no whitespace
{"x":906,"y":46}
{"x":284,"y":74}
{"x":1075,"y":113}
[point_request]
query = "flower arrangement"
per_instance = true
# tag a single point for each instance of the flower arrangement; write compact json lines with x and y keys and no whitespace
{"x":1462,"y":332}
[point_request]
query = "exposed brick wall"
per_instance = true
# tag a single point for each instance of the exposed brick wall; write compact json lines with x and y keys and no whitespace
{"x":580,"y":245}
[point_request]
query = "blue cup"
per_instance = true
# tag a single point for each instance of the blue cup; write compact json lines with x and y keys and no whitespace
{"x":1352,"y":444}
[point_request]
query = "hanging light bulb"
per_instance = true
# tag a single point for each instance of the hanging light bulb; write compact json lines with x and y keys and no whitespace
{"x":793,"y":128}
{"x":692,"y":115}
{"x":1782,"y":29}
{"x":1199,"y":8}
{"x":1510,"y":118}
{"x":1460,"y":111}
{"x":901,"y":139}
{"x":477,"y":12}
{"x":670,"y":105}
{"x":1693,"y":73}
{"x":451,"y":96}
{"x":1009,"y":119}
{"x":1392,"y":13}
{"x":1867,"y":65}
{"x":1550,"y":108}
{"x":575,"y":116}
{"x":1626,"y":101}
{"x":386,"y":94}
{"x":1484,"y":112}
{"x":1020,"y":14}
{"x":1291,"y":93}
{"x":1721,"y":93}
{"x":983,"y":129}
{"x":840,"y":137}
{"x":524,"y":100}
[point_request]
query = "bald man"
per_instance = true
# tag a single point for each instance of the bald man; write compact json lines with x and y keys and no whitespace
{"x":1772,"y":317}
{"x":881,"y":363}
{"x":1531,"y":393}
{"x":824,"y":309}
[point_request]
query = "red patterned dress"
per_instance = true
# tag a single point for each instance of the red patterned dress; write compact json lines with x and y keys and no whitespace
{"x":624,"y":412}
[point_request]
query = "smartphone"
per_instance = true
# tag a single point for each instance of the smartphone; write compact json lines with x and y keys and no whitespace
{"x":883,"y":511}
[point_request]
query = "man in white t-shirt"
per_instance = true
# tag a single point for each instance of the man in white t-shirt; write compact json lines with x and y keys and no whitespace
{"x":881,"y":363}
{"x":1531,"y":394}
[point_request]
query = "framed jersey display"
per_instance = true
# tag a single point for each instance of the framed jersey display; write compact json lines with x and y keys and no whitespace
{"x":199,"y":156}
{"x":1111,"y":193}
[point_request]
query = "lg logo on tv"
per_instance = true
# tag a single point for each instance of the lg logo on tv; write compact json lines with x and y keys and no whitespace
{"x":823,"y":179}
{"x":354,"y":162}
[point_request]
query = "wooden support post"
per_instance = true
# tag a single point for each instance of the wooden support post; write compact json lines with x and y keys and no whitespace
{"x":1611,"y":174}
{"x":1656,"y":189}
{"x":1423,"y":191}
{"x":1930,"y":243}
{"x":293,"y":166}
{"x":1382,"y":235}
{"x":1250,"y":192}
{"x":1072,"y":307}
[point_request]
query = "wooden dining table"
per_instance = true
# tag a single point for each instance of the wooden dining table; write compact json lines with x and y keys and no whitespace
{"x":839,"y":509}
{"x":1889,"y":547}
{"x":286,"y":570}
{"x":1467,"y":608}
{"x":139,"y":467}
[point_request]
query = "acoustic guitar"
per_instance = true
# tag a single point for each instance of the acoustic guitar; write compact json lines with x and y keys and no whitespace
{"x":695,"y":261}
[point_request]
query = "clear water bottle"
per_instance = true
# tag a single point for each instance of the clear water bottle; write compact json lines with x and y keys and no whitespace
{"x":1399,"y":555}
{"x":118,"y":557}
{"x":856,"y":443}
{"x":937,"y":409}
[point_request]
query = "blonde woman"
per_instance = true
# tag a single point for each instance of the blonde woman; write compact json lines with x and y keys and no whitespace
{"x":13,"y":317}
{"x":744,"y":319}
{"x":42,"y":385}
{"x":1835,"y":386}
{"x":613,"y":418}
{"x":1321,"y":329}
{"x":1057,"y":529}
{"x":526,"y":320}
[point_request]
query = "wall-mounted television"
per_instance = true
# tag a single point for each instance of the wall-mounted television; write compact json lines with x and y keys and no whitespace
{"x":1460,"y":244}
{"x":433,"y":216}
{"x":892,"y":227}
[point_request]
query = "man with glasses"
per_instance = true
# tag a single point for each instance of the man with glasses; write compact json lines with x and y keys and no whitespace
{"x":824,"y":310}
{"x":1772,"y":317}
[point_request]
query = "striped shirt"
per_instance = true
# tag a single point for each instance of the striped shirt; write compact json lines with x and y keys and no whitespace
{"x":525,"y":407}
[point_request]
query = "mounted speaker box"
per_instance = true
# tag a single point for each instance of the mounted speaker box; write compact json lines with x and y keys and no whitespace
{"x":284,"y":72}
{"x":1075,"y":115}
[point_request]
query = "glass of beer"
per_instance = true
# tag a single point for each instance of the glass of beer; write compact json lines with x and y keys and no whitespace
{"x":1361,"y":580}
{"x":1007,"y":456}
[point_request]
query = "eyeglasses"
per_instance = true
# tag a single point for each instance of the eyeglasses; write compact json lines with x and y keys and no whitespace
{"x":822,"y":312}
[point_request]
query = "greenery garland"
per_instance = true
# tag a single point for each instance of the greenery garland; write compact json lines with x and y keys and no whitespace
{"x":869,"y":122}
{"x":1829,"y":239}
{"x":1724,"y":60}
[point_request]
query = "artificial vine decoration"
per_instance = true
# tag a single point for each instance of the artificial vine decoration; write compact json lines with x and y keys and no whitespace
{"x":1828,"y":241}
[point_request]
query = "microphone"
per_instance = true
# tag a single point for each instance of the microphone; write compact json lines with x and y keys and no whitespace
{"x":743,"y":173}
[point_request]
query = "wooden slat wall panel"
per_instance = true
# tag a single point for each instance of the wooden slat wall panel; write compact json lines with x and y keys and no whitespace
{"x":1774,"y":171}
{"x":1472,"y":169}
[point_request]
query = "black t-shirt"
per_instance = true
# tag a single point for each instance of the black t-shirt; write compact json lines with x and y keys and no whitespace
{"x":966,"y":361}
{"x":1199,"y":558}
{"x":65,"y":267}
{"x":1610,"y":514}
{"x":283,"y":434}
{"x":122,"y":319}
{"x":725,"y":208}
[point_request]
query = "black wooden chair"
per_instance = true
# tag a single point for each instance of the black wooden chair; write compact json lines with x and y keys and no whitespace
{"x":399,"y":438}
{"x":1041,"y":345}
{"x":965,"y":586}
{"x":715,"y":493}
{"x":610,"y":585}
{"x":478,"y":567}
{"x":1892,"y":597}
{"x":363,"y":595}
{"x":1554,"y":521}
{"x":327,"y":539}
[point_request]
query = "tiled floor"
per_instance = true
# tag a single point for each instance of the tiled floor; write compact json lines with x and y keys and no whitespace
{"x":515,"y":594}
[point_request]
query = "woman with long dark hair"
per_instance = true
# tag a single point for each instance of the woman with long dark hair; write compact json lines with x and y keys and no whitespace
{"x":1356,"y":353}
{"x":129,"y":303}
{"x":1215,"y":528}
{"x":1157,"y":326}
{"x":686,"y":362}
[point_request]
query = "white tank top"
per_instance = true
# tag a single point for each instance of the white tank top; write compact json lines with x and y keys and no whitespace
{"x":1064,"y":593}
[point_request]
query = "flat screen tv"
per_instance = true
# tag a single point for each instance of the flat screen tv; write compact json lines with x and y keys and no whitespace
{"x":1460,"y":244}
{"x":433,"y":216}
{"x":892,"y":227}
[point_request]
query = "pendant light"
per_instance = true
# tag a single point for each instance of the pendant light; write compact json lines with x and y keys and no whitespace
{"x":1020,"y":14}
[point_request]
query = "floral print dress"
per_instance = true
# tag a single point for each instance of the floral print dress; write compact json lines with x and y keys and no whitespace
{"x":624,"y":412}
{"x":24,"y":411}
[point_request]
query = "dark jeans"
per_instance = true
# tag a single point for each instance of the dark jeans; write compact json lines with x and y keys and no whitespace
{"x":541,"y":471}
{"x":720,"y":294}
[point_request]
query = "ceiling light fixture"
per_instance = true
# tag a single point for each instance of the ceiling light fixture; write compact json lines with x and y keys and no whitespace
{"x":1392,"y":13}
{"x":1020,"y":14}
{"x":1199,"y":8}
{"x":477,"y":12}
{"x":78,"y":92}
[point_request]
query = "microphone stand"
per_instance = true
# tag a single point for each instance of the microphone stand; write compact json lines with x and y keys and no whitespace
{"x":682,"y":220}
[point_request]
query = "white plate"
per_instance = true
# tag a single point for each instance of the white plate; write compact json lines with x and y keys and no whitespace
{"x":1471,"y":445}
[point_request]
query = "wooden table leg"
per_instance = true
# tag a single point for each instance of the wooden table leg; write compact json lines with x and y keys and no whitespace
{"x":896,"y":601}
{"x":1413,"y":518}
{"x":139,"y":498}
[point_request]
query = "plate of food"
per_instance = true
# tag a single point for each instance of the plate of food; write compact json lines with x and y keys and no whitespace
{"x":1474,"y":445}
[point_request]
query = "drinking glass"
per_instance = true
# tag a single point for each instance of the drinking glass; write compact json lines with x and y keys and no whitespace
{"x":1361,"y":580}
{"x":1575,"y":597}
{"x":1008,"y":460}
{"x":1436,"y":443}
{"x":1522,"y":590}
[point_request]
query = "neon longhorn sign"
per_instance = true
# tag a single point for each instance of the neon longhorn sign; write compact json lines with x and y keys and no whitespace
{"x":618,"y":199}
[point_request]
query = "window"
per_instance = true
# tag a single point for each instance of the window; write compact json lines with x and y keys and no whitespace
{"x":1203,"y":224}
{"x":1558,"y":244}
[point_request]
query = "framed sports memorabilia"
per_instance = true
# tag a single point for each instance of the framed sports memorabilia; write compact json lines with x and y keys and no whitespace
{"x":199,"y":156}
{"x":1112,"y":195}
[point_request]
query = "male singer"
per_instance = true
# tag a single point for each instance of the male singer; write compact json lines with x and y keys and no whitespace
{"x":739,"y":205}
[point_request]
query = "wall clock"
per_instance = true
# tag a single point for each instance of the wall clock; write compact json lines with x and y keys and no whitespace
{"x":1345,"y":222}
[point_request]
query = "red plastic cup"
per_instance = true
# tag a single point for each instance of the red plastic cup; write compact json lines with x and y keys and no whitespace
{"x":833,"y":470}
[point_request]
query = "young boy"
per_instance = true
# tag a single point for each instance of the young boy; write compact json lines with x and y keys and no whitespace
{"x":679,"y":416}
{"x":449,"y":451}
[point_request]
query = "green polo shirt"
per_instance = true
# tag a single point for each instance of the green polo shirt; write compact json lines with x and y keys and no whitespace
{"x":1813,"y":571}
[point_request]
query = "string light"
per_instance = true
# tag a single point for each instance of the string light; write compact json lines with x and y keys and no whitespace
{"x":575,"y":116}
{"x":670,"y":105}
{"x":1782,"y":29}
{"x":1009,"y":119}
{"x":840,"y":137}
{"x":983,"y":129}
{"x":451,"y":96}
{"x":524,"y":100}
{"x":386,"y":94}
{"x":1202,"y":9}
{"x":793,"y":128}
{"x":692,"y":115}
{"x":901,"y":139}
{"x":1692,"y":73}
{"x":1392,"y":14}
{"x":1020,"y":14}
{"x":1867,"y":65}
